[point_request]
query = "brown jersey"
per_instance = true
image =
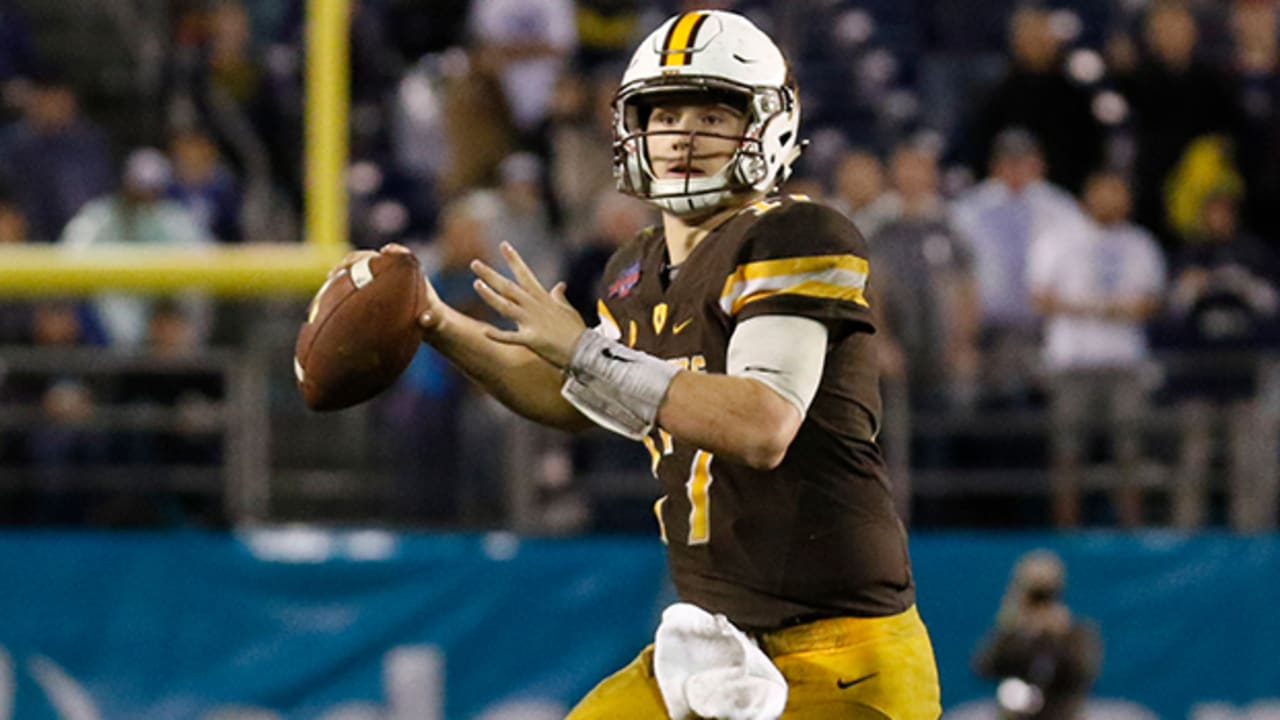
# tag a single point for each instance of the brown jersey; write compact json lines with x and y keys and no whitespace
{"x":817,"y":536}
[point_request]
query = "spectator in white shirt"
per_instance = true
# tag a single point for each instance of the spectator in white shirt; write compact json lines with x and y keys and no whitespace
{"x":1001,"y":217}
{"x":139,"y":216}
{"x":1096,"y":282}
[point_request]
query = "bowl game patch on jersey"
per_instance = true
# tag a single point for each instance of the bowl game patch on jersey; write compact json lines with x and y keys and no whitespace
{"x":625,"y":282}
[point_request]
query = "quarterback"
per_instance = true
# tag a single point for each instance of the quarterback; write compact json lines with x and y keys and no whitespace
{"x":734,"y":342}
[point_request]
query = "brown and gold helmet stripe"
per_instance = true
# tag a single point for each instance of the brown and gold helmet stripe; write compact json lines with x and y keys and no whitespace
{"x":682,"y":36}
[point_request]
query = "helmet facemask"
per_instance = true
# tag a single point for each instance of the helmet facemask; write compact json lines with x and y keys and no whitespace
{"x":770,"y":116}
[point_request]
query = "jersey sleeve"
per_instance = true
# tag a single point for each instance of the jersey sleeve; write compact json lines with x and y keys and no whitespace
{"x":802,"y":259}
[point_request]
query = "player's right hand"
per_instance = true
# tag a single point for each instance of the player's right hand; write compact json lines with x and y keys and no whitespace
{"x":430,"y":319}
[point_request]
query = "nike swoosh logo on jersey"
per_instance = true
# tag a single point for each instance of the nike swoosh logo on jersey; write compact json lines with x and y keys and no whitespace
{"x":762,"y":369}
{"x":846,"y":684}
{"x":675,"y":330}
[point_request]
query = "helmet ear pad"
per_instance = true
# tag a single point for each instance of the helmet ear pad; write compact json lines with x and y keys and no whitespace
{"x":779,"y":139}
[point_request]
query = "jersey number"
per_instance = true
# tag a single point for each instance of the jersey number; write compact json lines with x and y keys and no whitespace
{"x":697,"y":487}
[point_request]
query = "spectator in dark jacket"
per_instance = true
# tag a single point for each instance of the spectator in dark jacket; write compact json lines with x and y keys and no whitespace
{"x":1037,"y":94}
{"x":1175,"y":98}
{"x":54,"y":159}
{"x":17,"y":55}
{"x":1255,"y":26}
{"x":204,"y":184}
{"x":1226,"y":287}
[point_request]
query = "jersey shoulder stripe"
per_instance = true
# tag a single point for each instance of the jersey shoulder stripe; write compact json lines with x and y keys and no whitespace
{"x":797,"y":256}
{"x":830,"y":277}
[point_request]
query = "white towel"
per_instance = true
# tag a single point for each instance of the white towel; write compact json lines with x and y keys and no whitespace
{"x":706,"y":666}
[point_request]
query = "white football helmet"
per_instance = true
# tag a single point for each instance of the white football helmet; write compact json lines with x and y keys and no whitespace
{"x":718,"y":56}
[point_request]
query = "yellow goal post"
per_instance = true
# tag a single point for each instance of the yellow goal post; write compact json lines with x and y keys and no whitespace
{"x":245,"y":270}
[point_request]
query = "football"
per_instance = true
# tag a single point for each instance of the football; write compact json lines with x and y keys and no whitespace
{"x":361,"y":331}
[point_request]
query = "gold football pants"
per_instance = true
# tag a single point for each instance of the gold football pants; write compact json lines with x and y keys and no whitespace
{"x":839,"y":668}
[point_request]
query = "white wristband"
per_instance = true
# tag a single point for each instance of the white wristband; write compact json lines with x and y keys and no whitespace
{"x":617,"y":387}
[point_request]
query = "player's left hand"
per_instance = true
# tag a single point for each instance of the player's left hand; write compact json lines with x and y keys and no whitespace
{"x":545,"y":321}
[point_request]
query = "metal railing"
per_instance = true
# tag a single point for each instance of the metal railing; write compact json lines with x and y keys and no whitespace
{"x":1230,"y":449}
{"x":1193,"y":445}
{"x":1193,"y":448}
{"x":239,"y":418}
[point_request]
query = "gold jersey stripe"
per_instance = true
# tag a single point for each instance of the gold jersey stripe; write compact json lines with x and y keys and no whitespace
{"x":800,"y":265}
{"x":840,"y":277}
{"x":699,"y":489}
{"x":681,"y":36}
{"x":808,"y":289}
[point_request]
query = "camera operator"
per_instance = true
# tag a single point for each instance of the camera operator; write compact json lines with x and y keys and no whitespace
{"x":1044,"y":658}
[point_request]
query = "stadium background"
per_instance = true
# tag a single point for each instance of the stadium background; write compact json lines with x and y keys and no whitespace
{"x":184,"y":540}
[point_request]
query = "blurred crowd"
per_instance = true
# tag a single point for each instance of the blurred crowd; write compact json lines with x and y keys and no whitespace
{"x":1054,"y":194}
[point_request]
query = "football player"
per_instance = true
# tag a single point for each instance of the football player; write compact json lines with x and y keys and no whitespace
{"x":734,"y":341}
